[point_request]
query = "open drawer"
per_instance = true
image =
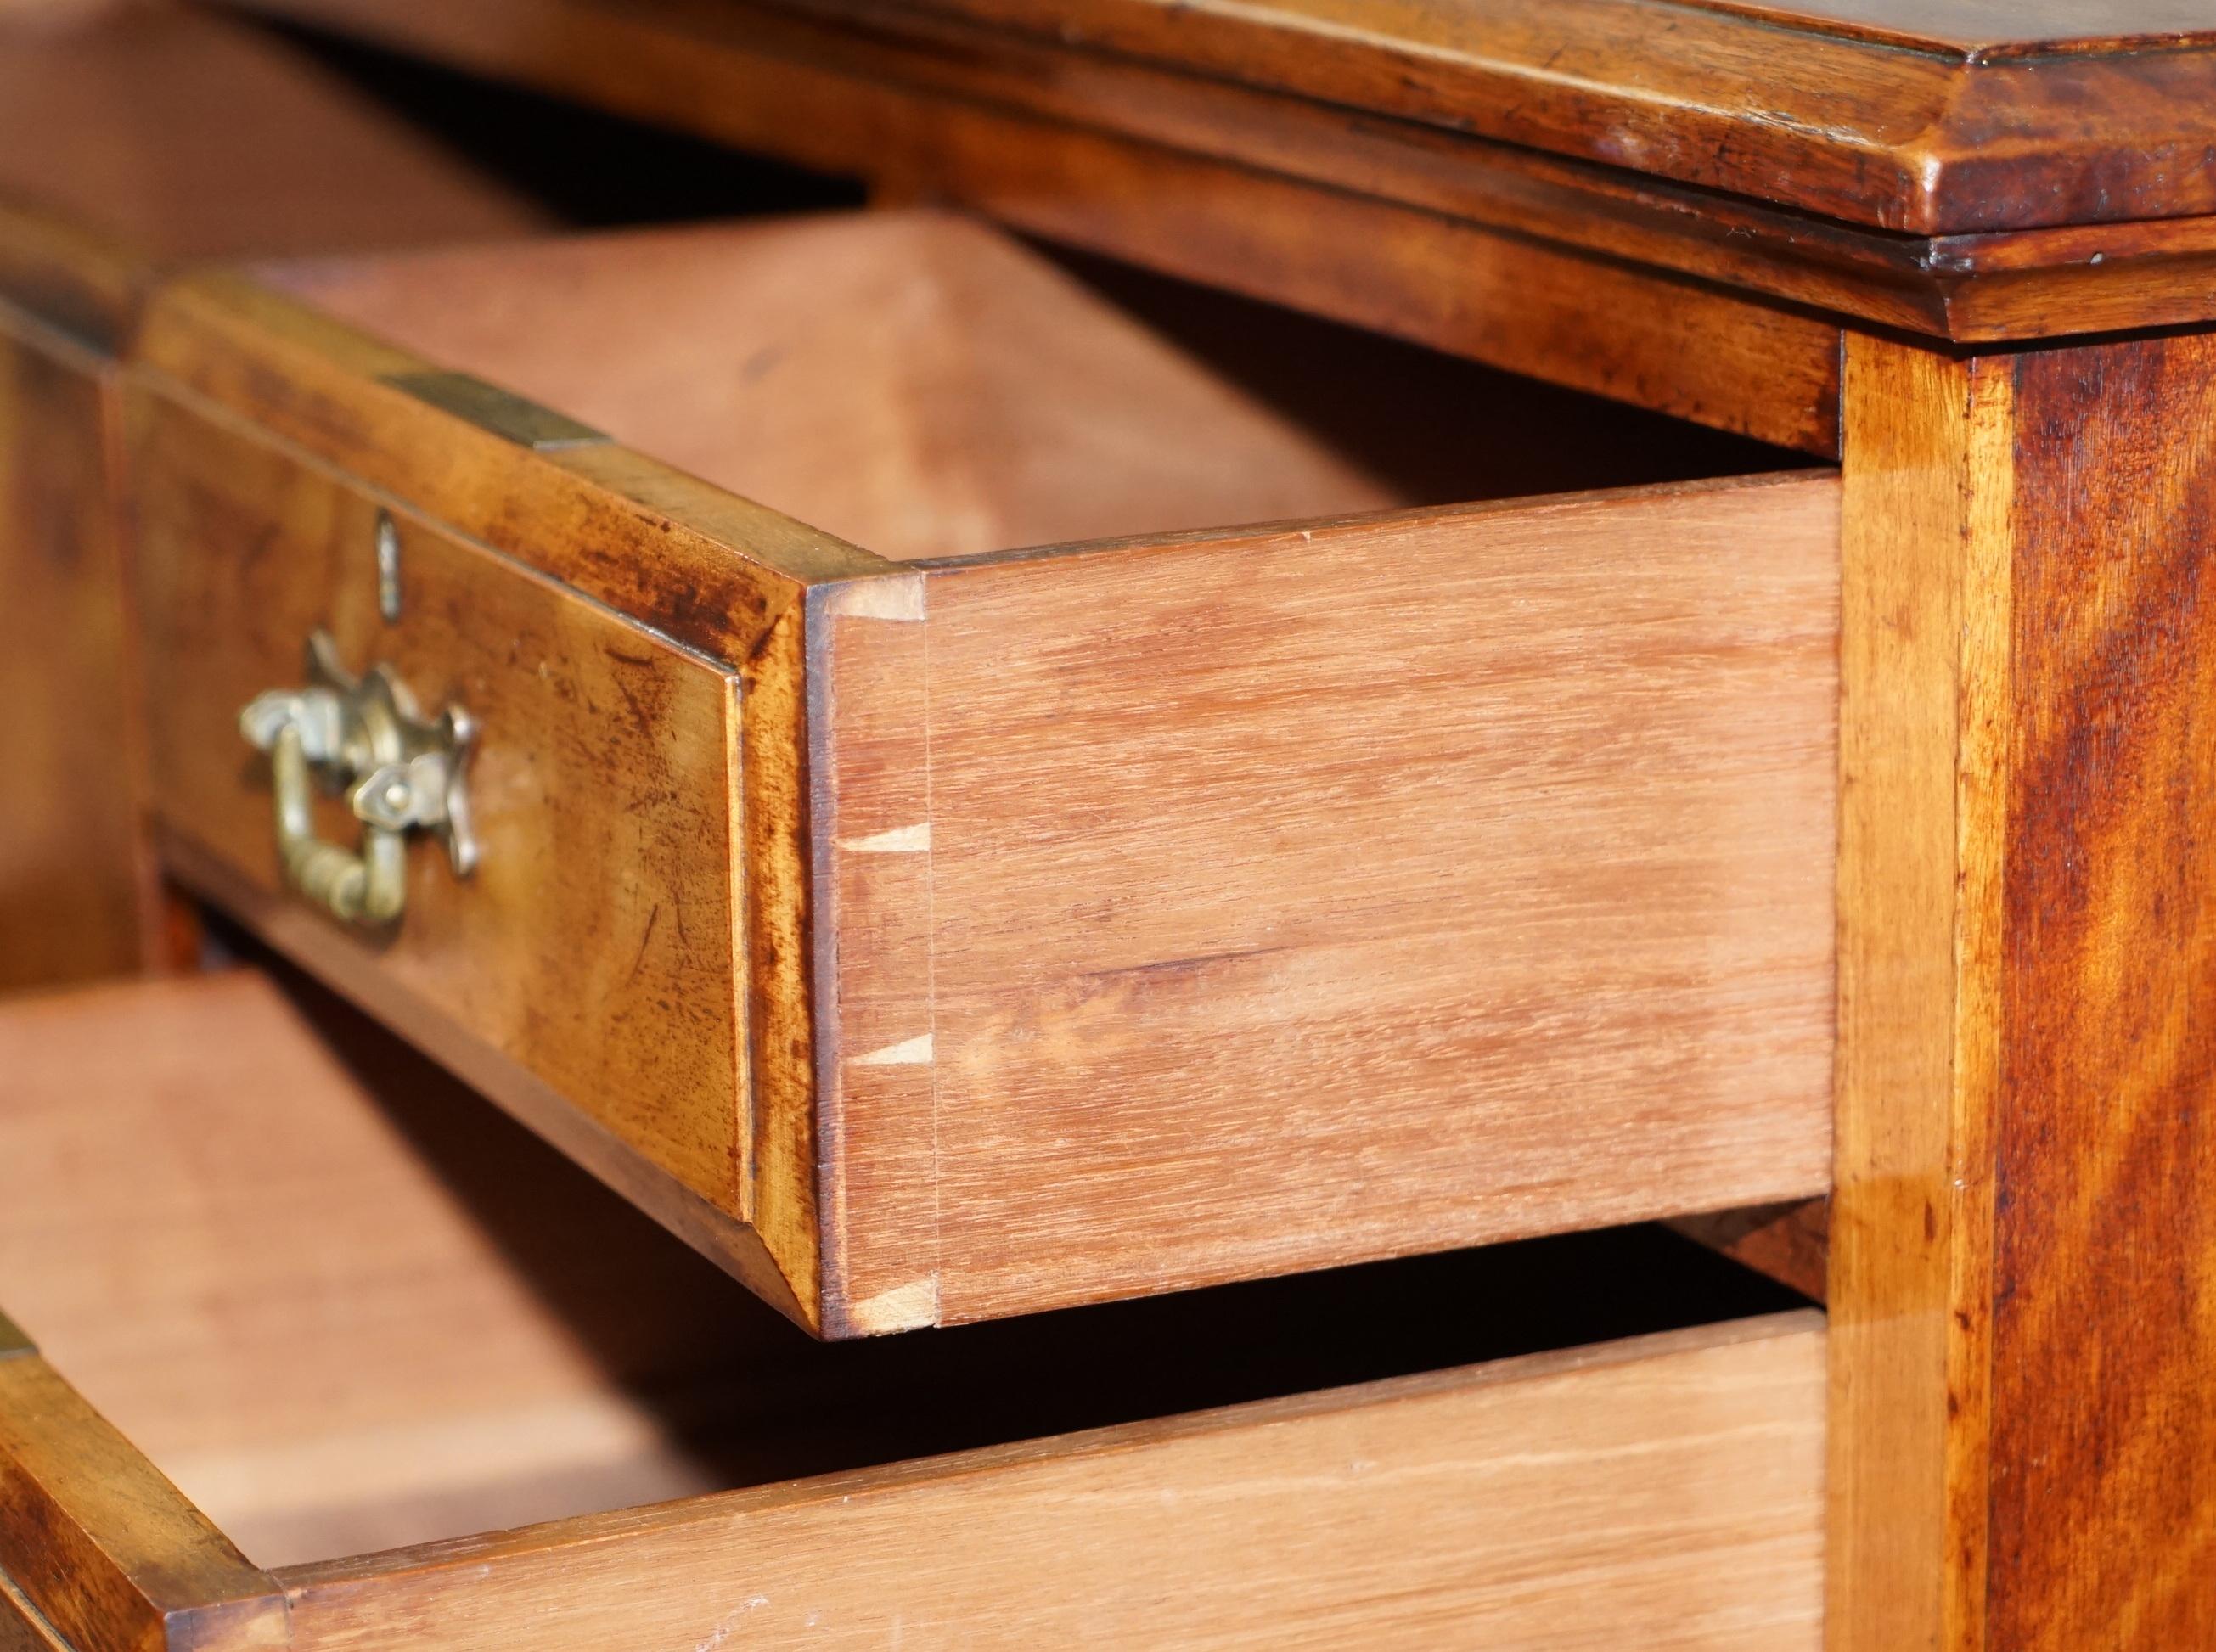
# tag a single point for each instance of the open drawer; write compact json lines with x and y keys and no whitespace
{"x":316,"y":1333}
{"x":940,"y":930}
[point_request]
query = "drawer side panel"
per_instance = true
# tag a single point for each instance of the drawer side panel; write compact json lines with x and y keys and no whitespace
{"x":1318,"y":894}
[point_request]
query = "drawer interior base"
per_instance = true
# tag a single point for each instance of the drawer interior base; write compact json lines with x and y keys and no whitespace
{"x":917,"y":383}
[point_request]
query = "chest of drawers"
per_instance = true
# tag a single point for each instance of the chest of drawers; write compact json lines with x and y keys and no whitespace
{"x":983,"y":783}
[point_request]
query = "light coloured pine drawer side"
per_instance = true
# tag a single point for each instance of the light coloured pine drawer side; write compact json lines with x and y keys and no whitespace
{"x":1215,"y":908}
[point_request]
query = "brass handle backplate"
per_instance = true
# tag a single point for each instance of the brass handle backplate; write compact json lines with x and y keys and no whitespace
{"x":362,"y":738}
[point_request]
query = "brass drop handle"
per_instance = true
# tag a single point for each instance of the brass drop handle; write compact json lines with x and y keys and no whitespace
{"x":362,"y":738}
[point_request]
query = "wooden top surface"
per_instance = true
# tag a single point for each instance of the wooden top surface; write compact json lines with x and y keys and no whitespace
{"x":1927,"y":116}
{"x":1991,"y":29}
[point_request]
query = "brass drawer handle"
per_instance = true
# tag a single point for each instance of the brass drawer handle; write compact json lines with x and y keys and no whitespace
{"x":362,"y":737}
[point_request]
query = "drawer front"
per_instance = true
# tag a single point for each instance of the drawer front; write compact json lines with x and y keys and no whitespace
{"x":21,"y":1628}
{"x":955,"y":939}
{"x":594,"y":954}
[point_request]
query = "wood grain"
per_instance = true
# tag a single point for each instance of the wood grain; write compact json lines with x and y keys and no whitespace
{"x":23,"y":1628}
{"x":1030,"y":117}
{"x":152,"y":136}
{"x":1516,"y":822}
{"x":105,"y":1550}
{"x":77,"y":877}
{"x":341,"y":1302}
{"x":1839,"y":123}
{"x":745,"y":881}
{"x":2103,"y":1451}
{"x":870,"y":716}
{"x":1833,"y":121}
{"x":130,"y":138}
{"x":1297,"y":206}
{"x":338,"y":1303}
{"x":1924,"y":680}
{"x":2017,"y":1436}
{"x":709,"y":570}
{"x":597,"y":945}
{"x":908,"y":381}
{"x":303,"y":935}
{"x":1377,"y":1516}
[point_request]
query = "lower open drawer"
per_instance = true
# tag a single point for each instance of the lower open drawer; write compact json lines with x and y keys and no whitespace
{"x":316,"y":1293}
{"x":1151,"y":864}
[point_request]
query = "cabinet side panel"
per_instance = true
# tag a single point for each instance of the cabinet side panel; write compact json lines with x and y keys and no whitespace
{"x":77,"y":890}
{"x":2103,"y":1443}
{"x":2022,"y":1234}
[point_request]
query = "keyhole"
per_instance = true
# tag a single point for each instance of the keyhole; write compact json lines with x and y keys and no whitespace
{"x":388,"y":569}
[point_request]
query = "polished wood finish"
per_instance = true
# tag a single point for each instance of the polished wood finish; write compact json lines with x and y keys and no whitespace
{"x":23,"y":1628}
{"x":1951,"y":134}
{"x":345,"y":1308}
{"x":1327,"y":205}
{"x":77,"y":883}
{"x":104,"y":1548}
{"x":132,"y":139}
{"x":1930,"y":122}
{"x":2018,"y":1425}
{"x":1923,"y":754}
{"x":2100,"y":1155}
{"x":1286,"y":204}
{"x":2017,"y":1421}
{"x":973,"y":848}
{"x":605,"y":815}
